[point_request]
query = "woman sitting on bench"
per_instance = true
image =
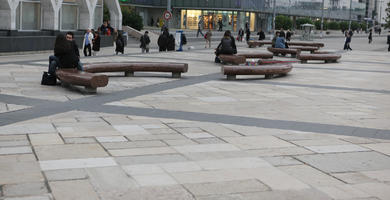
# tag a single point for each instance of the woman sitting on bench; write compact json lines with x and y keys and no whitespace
{"x":227,"y":46}
{"x":64,"y":55}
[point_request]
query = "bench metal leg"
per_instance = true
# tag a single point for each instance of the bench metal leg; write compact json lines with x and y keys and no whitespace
{"x":176,"y":74}
{"x":303,"y":61}
{"x":269,"y":76}
{"x":90,"y":89}
{"x":231,"y":77}
{"x":129,"y":74}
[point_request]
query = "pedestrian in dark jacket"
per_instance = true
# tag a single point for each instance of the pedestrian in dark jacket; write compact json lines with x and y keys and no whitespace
{"x":227,"y":45}
{"x":347,"y":42}
{"x":248,"y":34}
{"x":388,"y":41}
{"x":120,"y":44}
{"x":240,"y":34}
{"x":64,"y":55}
{"x":96,"y":43}
{"x":288,"y":35}
{"x":163,"y":41}
{"x":145,"y":41}
{"x":370,"y":37}
{"x":171,"y":43}
{"x":261,"y":34}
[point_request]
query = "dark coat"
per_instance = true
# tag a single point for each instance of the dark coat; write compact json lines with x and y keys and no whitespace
{"x":261,"y":35}
{"x":145,"y":40}
{"x":388,"y":39}
{"x":96,"y":43}
{"x":282,"y":34}
{"x":171,"y":43}
{"x":227,"y":46}
{"x":120,"y":45}
{"x":162,"y":42}
{"x":288,"y":35}
{"x":67,"y":56}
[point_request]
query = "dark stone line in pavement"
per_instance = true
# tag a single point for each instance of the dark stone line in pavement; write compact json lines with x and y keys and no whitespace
{"x":20,"y":100}
{"x":247,"y":121}
{"x":52,"y":107}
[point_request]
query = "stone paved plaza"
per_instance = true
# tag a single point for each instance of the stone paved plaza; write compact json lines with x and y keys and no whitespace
{"x":322,"y":132}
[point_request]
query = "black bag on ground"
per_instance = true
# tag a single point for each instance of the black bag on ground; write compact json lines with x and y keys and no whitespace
{"x":48,"y":79}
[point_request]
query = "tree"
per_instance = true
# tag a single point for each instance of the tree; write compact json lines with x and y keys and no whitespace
{"x":344,"y":25}
{"x":106,"y":13}
{"x":282,"y":21}
{"x":318,"y":25}
{"x":387,"y":19}
{"x":334,"y":26}
{"x":355,"y":26}
{"x":305,"y":20}
{"x":131,"y":18}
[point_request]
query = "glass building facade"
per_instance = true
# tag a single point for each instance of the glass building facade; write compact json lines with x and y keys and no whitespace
{"x":257,"y":13}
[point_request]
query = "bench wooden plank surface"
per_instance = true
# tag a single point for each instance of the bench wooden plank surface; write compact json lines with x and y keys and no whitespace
{"x":325,"y":57}
{"x":89,"y":80}
{"x":258,"y":43}
{"x":130,"y":67}
{"x":232,"y":59}
{"x":277,"y":51}
{"x":313,"y":44}
{"x":268,"y":70}
{"x":256,"y":55}
{"x":305,"y":48}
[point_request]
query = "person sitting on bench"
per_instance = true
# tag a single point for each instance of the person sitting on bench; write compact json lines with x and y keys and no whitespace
{"x":280,"y":41}
{"x":65,"y":55}
{"x":227,"y":46}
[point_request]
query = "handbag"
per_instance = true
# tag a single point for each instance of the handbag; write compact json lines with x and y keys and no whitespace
{"x":48,"y":79}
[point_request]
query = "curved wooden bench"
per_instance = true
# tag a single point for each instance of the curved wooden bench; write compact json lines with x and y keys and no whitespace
{"x":88,"y":80}
{"x":268,"y":70}
{"x":305,"y":48}
{"x":256,"y":55}
{"x":277,"y":51}
{"x":325,"y":57}
{"x":258,"y":43}
{"x":130,"y":67}
{"x":322,"y":52}
{"x":232,"y":59}
{"x":305,"y":44}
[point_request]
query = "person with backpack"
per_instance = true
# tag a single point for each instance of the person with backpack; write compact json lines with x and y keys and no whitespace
{"x":145,"y":41}
{"x":207,"y":36}
{"x":171,"y":43}
{"x":227,"y":46}
{"x":120,"y":44}
{"x":163,"y":41}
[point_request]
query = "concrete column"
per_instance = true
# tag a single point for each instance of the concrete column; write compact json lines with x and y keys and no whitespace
{"x":115,"y":13}
{"x":50,"y":14}
{"x":87,"y":13}
{"x":8,"y":14}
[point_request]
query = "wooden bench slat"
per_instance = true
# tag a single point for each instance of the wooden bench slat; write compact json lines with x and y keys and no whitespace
{"x":75,"y":77}
{"x":136,"y":66}
{"x":277,"y":51}
{"x":256,"y":55}
{"x":325,"y":57}
{"x":267,"y":70}
{"x":232,"y":59}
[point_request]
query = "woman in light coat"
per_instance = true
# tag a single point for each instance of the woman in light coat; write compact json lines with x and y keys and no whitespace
{"x":87,"y":43}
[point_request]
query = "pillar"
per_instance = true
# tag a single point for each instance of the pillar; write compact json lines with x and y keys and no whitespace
{"x":115,"y":13}
{"x":87,"y":13}
{"x":50,"y":14}
{"x":8,"y":14}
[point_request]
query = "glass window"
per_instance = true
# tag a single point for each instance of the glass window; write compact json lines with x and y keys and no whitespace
{"x":31,"y":16}
{"x":69,"y":17}
{"x":252,"y":21}
{"x":193,"y":17}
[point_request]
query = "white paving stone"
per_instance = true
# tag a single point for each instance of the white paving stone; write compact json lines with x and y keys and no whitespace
{"x":45,"y":139}
{"x":76,"y":163}
{"x":205,"y":148}
{"x":142,"y":151}
{"x":380,"y":147}
{"x":131,"y":130}
{"x":337,"y":148}
{"x":257,"y":142}
{"x":112,"y":139}
{"x":142,"y":169}
{"x":154,"y":179}
{"x":14,"y":150}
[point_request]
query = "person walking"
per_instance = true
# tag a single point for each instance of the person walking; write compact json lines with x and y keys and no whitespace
{"x":370,"y":37}
{"x":120,"y":44}
{"x":240,"y":34}
{"x":163,"y":41}
{"x":87,"y":43}
{"x":200,"y":25}
{"x":220,"y":24}
{"x":261,"y":34}
{"x":347,"y":42}
{"x":248,"y":34}
{"x":208,"y":38}
{"x":288,"y":35}
{"x":96,"y":43}
{"x":388,"y":41}
{"x":145,"y":41}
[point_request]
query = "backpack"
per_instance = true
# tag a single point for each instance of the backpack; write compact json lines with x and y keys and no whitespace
{"x":119,"y":43}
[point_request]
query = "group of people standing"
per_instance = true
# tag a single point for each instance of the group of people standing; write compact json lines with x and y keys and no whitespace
{"x":91,"y":42}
